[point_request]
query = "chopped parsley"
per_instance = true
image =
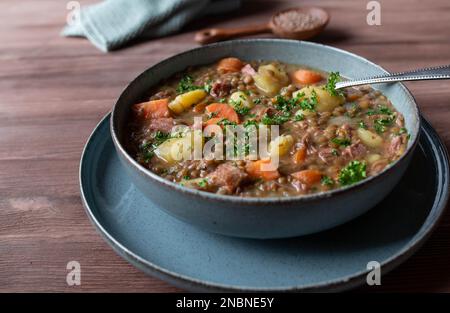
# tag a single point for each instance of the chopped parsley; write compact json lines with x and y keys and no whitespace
{"x":148,"y":148}
{"x":211,"y":115}
{"x":250,"y":123}
{"x":257,"y":101}
{"x":238,"y":107}
{"x":381,"y":123}
{"x":334,"y":152}
{"x":308,"y":103}
{"x":276,"y":119}
{"x":362,"y":125}
{"x":237,"y":103}
{"x":352,"y":173}
{"x":223,"y":100}
{"x":299,"y":116}
{"x":226,"y":122}
{"x":242,"y":110}
{"x":286,"y":105}
{"x":207,"y":87}
{"x":341,"y":141}
{"x":186,"y":177}
{"x":187,"y":84}
{"x":333,"y":78}
{"x":202,"y":183}
{"x":382,"y":110}
{"x":326,"y":181}
{"x":402,"y":131}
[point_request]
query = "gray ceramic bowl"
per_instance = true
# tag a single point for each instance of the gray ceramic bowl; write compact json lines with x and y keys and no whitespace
{"x":265,"y":217}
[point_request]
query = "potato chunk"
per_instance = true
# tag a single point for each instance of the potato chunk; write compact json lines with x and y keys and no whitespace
{"x":372,"y":158}
{"x":325,"y":101}
{"x":270,"y":79}
{"x":240,"y":99}
{"x":369,"y":138}
{"x":186,"y":100}
{"x":281,"y":145}
{"x":178,"y":149}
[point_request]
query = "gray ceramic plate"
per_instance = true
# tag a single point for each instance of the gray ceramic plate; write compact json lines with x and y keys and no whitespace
{"x":192,"y":259}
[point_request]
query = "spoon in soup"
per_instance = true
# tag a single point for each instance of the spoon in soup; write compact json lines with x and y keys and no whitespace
{"x":297,"y":23}
{"x":429,"y":73}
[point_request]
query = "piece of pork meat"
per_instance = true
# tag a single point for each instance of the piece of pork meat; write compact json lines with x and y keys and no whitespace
{"x":355,"y":150}
{"x":163,"y":124}
{"x":227,"y":176}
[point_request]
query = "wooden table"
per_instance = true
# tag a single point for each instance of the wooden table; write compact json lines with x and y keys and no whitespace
{"x":54,"y":90}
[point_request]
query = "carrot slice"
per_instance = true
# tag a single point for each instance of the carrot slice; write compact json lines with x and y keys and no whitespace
{"x":299,"y":155}
{"x":306,"y":77}
{"x":256,"y":170}
{"x":222,"y":111}
{"x":229,"y":65}
{"x":308,"y":177}
{"x":154,"y":108}
{"x":199,"y":108}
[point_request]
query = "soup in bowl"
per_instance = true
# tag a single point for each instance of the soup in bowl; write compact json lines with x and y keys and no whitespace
{"x":250,"y":138}
{"x":325,"y":138}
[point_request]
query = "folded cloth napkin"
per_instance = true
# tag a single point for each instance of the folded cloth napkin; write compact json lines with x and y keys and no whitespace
{"x":112,"y":24}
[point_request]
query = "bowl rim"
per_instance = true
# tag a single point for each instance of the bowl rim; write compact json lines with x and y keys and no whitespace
{"x":255,"y":200}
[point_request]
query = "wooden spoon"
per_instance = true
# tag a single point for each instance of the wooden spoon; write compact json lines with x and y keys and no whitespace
{"x":295,"y":23}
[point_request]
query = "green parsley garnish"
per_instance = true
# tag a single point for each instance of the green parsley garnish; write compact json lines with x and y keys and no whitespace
{"x":341,"y":141}
{"x":242,"y":110}
{"x":223,"y":100}
{"x":286,"y":105}
{"x":381,"y":123}
{"x":148,"y":148}
{"x":250,"y":123}
{"x":326,"y":181}
{"x":187,"y":84}
{"x":362,"y":125}
{"x":207,"y":87}
{"x":202,"y":183}
{"x":333,"y":78}
{"x":226,"y":122}
{"x":402,"y":131}
{"x":352,"y":173}
{"x":382,"y":110}
{"x":299,"y":116}
{"x":276,"y":119}
{"x":238,"y":107}
{"x":257,"y":101}
{"x":210,"y":115}
{"x":308,"y":103}
{"x":237,"y":103}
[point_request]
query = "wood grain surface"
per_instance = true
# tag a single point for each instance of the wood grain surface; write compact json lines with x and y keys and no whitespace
{"x":54,"y":90}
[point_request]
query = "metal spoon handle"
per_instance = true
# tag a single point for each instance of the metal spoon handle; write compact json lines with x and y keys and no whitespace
{"x":430,"y":73}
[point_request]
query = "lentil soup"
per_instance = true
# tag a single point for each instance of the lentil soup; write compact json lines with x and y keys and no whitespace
{"x":327,"y":138}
